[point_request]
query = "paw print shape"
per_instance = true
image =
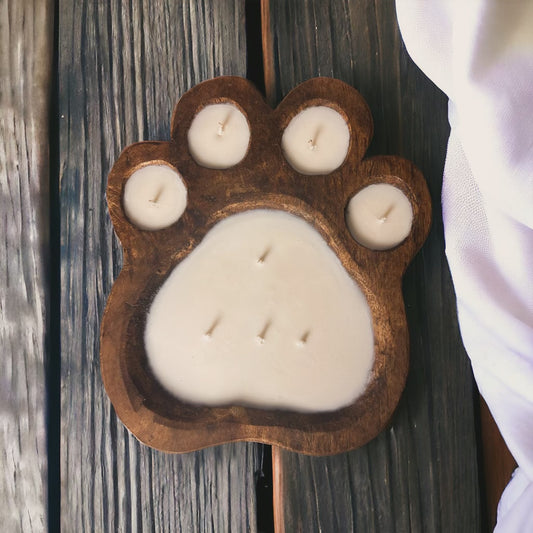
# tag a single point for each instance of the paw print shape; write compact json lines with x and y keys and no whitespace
{"x":260,"y":297}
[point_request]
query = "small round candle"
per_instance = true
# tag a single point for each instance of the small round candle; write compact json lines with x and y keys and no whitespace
{"x":219,"y":136}
{"x":154,"y":197}
{"x":379,"y":216}
{"x":316,"y":141}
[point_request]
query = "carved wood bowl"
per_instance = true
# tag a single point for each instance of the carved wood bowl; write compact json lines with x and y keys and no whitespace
{"x":263,"y":179}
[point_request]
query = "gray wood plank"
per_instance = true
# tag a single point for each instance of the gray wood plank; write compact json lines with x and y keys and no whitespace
{"x":122,"y":68}
{"x":422,"y":473}
{"x":26,"y":43}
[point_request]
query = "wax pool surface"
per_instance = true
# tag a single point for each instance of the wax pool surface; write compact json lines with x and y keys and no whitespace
{"x":379,"y":216}
{"x":219,"y":136}
{"x":316,"y":140}
{"x":154,"y":197}
{"x":261,"y":313}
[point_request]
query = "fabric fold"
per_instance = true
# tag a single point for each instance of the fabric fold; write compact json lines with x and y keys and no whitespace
{"x":480,"y":53}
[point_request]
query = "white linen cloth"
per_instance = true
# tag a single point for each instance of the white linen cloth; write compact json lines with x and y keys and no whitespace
{"x":480,"y":53}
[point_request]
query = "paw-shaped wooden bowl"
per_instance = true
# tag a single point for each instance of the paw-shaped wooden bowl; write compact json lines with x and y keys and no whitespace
{"x":261,"y":400}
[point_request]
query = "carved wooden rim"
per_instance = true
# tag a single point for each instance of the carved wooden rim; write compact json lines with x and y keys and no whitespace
{"x":262,"y":179}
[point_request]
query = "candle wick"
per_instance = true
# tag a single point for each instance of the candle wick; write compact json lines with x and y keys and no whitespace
{"x":303,"y":339}
{"x":222,"y":125}
{"x":313,"y":141}
{"x":261,"y":260}
{"x":157,"y":196}
{"x":385,"y":215}
{"x":261,"y":337}
{"x":209,"y":332}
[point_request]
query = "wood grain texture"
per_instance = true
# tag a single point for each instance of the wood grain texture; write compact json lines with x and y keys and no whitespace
{"x":498,"y":462}
{"x":26,"y":41}
{"x":422,"y":473}
{"x":122,"y":67}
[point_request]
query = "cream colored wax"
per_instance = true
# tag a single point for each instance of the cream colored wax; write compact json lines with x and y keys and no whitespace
{"x":261,"y":313}
{"x":379,"y":216}
{"x":154,"y":197}
{"x":316,"y":140}
{"x":219,"y":136}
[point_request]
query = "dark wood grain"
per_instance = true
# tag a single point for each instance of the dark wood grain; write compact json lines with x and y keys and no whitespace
{"x":498,"y":462}
{"x":262,"y":179}
{"x":122,"y":67}
{"x":26,"y":43}
{"x":422,"y":473}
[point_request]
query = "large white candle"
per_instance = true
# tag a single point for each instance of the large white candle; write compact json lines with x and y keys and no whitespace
{"x":154,"y":197}
{"x":379,"y":216}
{"x":219,"y":136}
{"x":261,"y":313}
{"x":316,"y":141}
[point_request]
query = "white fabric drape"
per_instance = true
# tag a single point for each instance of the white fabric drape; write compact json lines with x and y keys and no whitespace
{"x":480,"y":53}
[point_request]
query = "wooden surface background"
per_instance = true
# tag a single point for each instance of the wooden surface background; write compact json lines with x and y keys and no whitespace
{"x":118,"y":70}
{"x":25,"y":83}
{"x":122,"y":67}
{"x":421,"y":474}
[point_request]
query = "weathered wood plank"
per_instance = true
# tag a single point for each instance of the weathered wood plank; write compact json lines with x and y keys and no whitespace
{"x":422,"y":473}
{"x":498,"y":462}
{"x":26,"y":44}
{"x":122,"y":68}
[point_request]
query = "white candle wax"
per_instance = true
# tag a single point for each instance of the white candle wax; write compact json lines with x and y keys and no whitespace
{"x":154,"y":197}
{"x":261,"y":313}
{"x":380,"y":216}
{"x":316,"y":141}
{"x":219,"y":136}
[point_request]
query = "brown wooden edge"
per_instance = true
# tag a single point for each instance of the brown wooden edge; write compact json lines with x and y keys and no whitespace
{"x":498,"y":462}
{"x":278,"y":490}
{"x":268,"y":59}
